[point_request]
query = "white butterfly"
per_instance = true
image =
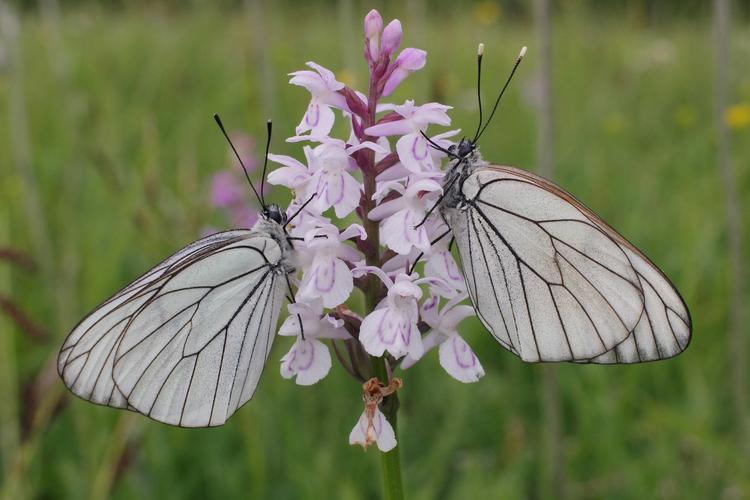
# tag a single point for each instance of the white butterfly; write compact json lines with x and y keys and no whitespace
{"x":186,"y":343}
{"x":548,"y":278}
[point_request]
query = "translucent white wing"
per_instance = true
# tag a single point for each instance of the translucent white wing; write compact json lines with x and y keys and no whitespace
{"x":184,"y":344}
{"x":553,"y":282}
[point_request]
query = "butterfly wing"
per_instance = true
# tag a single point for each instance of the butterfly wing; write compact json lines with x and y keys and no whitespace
{"x":553,"y":282}
{"x":186,"y":343}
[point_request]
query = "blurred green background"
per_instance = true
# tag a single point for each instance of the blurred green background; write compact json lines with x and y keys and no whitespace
{"x":107,"y":148}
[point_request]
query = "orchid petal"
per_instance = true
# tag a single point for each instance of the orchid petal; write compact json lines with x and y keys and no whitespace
{"x":457,"y":358}
{"x":308,"y":360}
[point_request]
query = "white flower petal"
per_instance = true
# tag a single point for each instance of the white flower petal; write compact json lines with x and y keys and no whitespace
{"x":432,"y":339}
{"x":400,"y":234}
{"x":441,"y":264}
{"x":382,"y":432}
{"x":414,"y":153}
{"x":329,"y":279}
{"x":389,"y":329}
{"x":308,"y":360}
{"x":457,"y":358}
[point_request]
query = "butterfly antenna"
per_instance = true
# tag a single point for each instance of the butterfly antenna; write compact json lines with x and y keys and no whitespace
{"x":502,"y":91}
{"x":269,"y":128}
{"x":439,"y":147}
{"x":237,"y":155}
{"x":480,"y":53}
{"x":300,"y":209}
{"x":446,"y":190}
{"x":421,"y":254}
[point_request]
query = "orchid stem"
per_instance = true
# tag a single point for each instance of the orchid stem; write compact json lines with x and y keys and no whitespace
{"x":393,"y":488}
{"x":390,"y":461}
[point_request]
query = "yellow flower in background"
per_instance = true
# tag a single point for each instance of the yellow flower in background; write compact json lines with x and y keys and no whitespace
{"x":738,"y":116}
{"x":685,"y":116}
{"x":486,"y":12}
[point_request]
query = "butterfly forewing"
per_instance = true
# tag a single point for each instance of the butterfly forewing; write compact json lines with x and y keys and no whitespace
{"x":553,"y":282}
{"x":186,"y":343}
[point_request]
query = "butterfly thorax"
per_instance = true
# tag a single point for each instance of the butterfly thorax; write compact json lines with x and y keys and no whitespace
{"x":468,"y":160}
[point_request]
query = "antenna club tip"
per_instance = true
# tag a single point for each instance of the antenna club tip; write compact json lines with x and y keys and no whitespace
{"x":522,"y":53}
{"x":480,"y":50}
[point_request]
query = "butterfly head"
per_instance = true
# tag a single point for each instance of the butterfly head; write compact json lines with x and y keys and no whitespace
{"x":275,"y":213}
{"x":463,"y":149}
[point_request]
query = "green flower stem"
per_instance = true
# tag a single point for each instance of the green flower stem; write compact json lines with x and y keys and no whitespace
{"x":393,"y":488}
{"x":390,"y":461}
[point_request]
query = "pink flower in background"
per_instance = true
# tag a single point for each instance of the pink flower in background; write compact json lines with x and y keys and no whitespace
{"x":229,"y":190}
{"x":323,"y":88}
{"x":225,"y":190}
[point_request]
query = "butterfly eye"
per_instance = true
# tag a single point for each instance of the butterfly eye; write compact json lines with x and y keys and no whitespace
{"x":274,"y":213}
{"x":465,"y":148}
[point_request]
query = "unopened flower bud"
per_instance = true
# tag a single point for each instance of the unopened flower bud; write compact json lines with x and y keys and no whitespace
{"x":373,"y":29}
{"x":391,"y":37}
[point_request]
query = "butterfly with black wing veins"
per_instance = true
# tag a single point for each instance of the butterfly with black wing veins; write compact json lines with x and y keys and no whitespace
{"x":186,"y":343}
{"x":547,"y":277}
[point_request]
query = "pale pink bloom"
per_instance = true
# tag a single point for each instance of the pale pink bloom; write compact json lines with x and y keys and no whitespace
{"x":331,"y":181}
{"x":326,"y":273}
{"x":408,"y":61}
{"x":294,"y":174}
{"x":455,"y":355}
{"x":392,"y":326}
{"x":439,"y":261}
{"x":309,"y":359}
{"x":412,"y":147}
{"x":381,"y":432}
{"x":323,"y":88}
{"x":401,"y":216}
{"x":305,"y":220}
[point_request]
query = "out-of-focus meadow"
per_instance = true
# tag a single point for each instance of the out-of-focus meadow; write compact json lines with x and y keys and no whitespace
{"x":107,"y":148}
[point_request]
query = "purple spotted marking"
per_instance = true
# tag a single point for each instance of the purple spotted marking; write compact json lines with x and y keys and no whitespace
{"x":465,"y":358}
{"x":312,"y":110}
{"x":339,"y":196}
{"x":325,"y":273}
{"x":415,"y":146}
{"x":450,"y":267}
